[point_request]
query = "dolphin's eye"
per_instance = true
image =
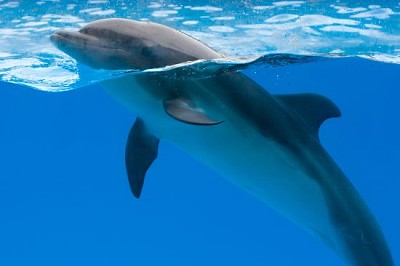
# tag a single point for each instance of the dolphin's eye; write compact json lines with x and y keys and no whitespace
{"x":146,"y":52}
{"x":91,"y":31}
{"x":85,"y":30}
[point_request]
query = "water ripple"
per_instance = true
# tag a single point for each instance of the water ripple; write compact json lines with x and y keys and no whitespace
{"x":239,"y":30}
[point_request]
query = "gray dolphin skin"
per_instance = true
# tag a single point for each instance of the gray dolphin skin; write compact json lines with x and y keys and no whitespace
{"x":266,"y":144}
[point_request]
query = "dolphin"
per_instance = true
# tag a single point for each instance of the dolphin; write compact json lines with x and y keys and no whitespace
{"x":266,"y":144}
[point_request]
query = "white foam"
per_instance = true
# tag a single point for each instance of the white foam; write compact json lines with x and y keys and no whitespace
{"x":310,"y":31}
{"x":224,"y":18}
{"x":102,"y":12}
{"x":318,"y":20}
{"x":175,"y":18}
{"x":206,"y":8}
{"x":388,"y":58}
{"x":254,"y":26}
{"x":288,"y":3}
{"x":71,"y":6}
{"x":5,"y":55}
{"x":225,"y":29}
{"x":67,"y":19}
{"x":51,"y":78}
{"x":12,"y":4}
{"x":163,"y":13}
{"x":154,"y":5}
{"x":28,"y":18}
{"x":281,"y":18}
{"x":373,"y":26}
{"x":90,"y":10}
{"x":302,"y":22}
{"x":253,"y":32}
{"x":336,"y":51}
{"x":279,"y":4}
{"x":34,"y":24}
{"x":97,"y":2}
{"x":348,"y":10}
{"x":44,"y":29}
{"x":190,"y":22}
{"x":10,"y":32}
{"x":374,"y":6}
{"x":262,"y":7}
{"x":378,"y":13}
{"x":20,"y":62}
{"x":371,"y":33}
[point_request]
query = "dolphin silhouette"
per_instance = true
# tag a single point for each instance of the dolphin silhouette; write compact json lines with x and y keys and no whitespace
{"x":266,"y":144}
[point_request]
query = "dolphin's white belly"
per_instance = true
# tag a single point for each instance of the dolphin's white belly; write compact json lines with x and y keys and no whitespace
{"x":239,"y":153}
{"x":256,"y":164}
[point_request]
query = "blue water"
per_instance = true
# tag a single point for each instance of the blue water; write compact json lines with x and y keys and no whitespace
{"x":64,"y":195}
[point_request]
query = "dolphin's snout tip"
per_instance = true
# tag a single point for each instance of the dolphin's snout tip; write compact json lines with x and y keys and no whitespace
{"x":57,"y":36}
{"x":54,"y":37}
{"x":61,"y":33}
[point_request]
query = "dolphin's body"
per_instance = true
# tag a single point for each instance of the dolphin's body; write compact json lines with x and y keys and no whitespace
{"x":266,"y":144}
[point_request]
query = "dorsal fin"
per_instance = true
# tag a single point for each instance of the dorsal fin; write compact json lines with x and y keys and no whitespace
{"x":314,"y":109}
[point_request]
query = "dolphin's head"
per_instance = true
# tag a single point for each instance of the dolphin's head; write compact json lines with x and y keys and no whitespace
{"x":129,"y":44}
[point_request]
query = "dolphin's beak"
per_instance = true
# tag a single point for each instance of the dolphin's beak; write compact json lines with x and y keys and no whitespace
{"x":57,"y":38}
{"x":91,"y":50}
{"x":72,"y":40}
{"x":77,"y":45}
{"x":62,"y":34}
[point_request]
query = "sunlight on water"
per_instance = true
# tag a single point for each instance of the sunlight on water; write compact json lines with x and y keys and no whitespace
{"x":244,"y":30}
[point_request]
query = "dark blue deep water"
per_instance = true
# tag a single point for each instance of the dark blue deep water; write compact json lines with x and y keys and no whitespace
{"x":65,"y":199}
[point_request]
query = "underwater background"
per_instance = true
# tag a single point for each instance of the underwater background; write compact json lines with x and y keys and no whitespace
{"x":64,"y":195}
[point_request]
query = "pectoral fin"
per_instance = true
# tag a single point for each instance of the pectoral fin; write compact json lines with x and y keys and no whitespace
{"x":141,"y":151}
{"x":184,"y":111}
